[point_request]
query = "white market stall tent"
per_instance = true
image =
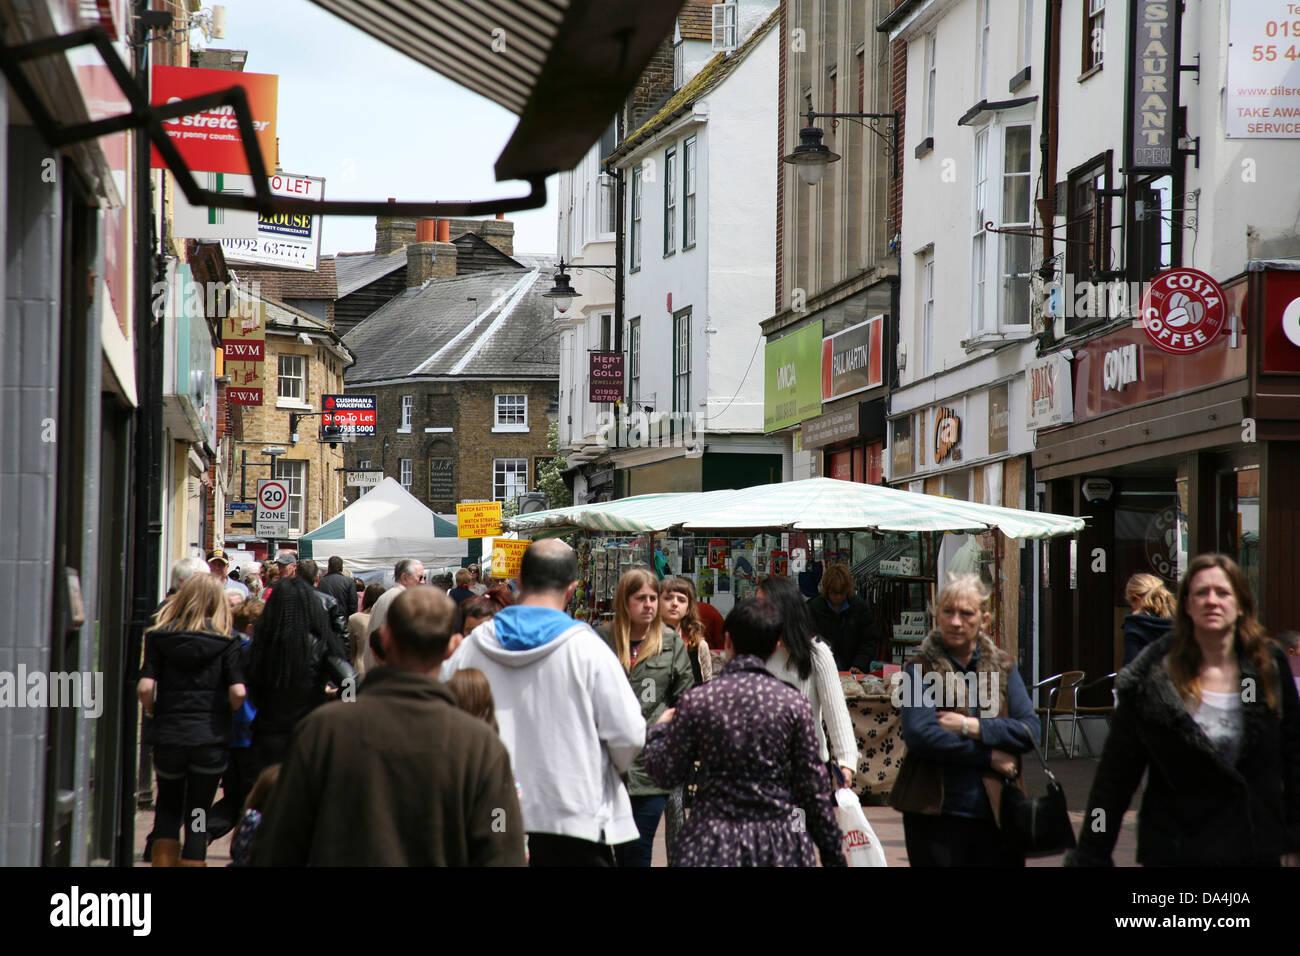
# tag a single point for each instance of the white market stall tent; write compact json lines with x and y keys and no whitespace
{"x":813,"y":504}
{"x":382,"y":526}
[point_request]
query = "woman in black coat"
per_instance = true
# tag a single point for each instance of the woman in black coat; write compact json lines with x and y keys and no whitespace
{"x":289,"y":667}
{"x":1209,"y":714}
{"x":191,"y":684}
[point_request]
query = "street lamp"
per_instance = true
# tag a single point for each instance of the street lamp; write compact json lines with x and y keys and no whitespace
{"x":812,"y":156}
{"x":562,"y":293}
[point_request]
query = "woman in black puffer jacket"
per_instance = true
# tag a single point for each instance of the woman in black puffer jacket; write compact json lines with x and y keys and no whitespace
{"x":1211,"y":715}
{"x":191,"y":684}
{"x":288,"y":668}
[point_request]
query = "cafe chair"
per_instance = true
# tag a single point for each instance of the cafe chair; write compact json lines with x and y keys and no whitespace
{"x":1102,"y":712}
{"x":1062,"y":704}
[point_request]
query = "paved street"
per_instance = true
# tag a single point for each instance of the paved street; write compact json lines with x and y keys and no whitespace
{"x":1075,"y":775}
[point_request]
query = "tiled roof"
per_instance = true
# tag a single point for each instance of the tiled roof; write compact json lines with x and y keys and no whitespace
{"x":695,"y":20}
{"x":710,"y":75}
{"x":356,"y":270}
{"x":292,"y":283}
{"x":509,"y":330}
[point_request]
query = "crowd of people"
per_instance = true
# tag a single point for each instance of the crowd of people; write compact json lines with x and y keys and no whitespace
{"x":467,"y":722}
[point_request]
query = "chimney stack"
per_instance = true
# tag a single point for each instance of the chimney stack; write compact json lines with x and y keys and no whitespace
{"x":393,"y":232}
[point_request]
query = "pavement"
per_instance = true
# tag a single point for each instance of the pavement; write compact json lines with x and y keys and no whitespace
{"x":1075,"y":776}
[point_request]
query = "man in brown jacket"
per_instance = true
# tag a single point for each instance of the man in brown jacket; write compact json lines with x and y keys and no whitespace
{"x":401,"y":776}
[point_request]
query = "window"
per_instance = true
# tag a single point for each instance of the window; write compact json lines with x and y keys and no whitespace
{"x":1153,"y":220}
{"x":295,"y":473}
{"x":862,"y":80}
{"x":1000,"y":263}
{"x":688,"y":184}
{"x":293,"y":377}
{"x":1087,"y":249}
{"x":682,"y":361}
{"x":724,"y":27}
{"x":364,"y":463}
{"x":408,"y":404}
{"x":634,"y":360}
{"x":1094,"y":34}
{"x":927,"y":314}
{"x":509,"y":478}
{"x":634,"y":250}
{"x":679,"y":66}
{"x":1016,"y":250}
{"x":511,"y":413}
{"x":670,"y":201}
{"x":979,"y":238}
{"x":608,"y":334}
{"x":407,"y":473}
{"x":931,"y":74}
{"x":984,"y":37}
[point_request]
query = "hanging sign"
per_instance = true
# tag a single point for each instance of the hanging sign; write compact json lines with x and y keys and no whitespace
{"x":209,"y":141}
{"x":1183,"y":311}
{"x":1153,"y":86}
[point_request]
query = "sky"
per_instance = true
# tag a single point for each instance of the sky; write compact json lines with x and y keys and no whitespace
{"x":373,"y":122}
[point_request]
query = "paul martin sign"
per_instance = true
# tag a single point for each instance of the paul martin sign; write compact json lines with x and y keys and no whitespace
{"x":1153,"y":85}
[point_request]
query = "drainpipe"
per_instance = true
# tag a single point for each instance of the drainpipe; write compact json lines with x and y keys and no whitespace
{"x":146,"y":534}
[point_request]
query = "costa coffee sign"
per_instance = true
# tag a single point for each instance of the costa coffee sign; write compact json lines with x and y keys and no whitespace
{"x":1183,"y":311}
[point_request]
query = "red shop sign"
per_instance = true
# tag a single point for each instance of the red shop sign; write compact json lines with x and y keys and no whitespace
{"x":1183,"y":311}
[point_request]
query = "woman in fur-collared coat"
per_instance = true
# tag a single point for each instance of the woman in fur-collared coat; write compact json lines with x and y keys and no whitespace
{"x":1209,"y":713}
{"x":960,"y":752}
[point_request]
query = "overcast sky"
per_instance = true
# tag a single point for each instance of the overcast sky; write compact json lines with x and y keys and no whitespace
{"x":375,"y":123}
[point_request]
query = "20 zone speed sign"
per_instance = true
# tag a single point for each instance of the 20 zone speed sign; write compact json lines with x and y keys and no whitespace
{"x":272,"y":519}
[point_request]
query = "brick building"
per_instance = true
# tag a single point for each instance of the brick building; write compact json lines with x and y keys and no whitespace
{"x":464,"y":364}
{"x":305,"y":359}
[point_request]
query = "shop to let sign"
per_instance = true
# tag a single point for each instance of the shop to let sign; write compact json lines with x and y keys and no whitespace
{"x":482,"y":519}
{"x":351,"y":414}
{"x":507,"y":556}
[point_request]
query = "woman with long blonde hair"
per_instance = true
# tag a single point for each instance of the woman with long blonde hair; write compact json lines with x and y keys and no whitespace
{"x":658,"y":666}
{"x":1153,"y":611}
{"x":1210,"y":715}
{"x":190,"y":684}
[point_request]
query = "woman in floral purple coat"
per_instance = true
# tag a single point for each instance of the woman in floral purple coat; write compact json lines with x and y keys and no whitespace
{"x":764,"y":796}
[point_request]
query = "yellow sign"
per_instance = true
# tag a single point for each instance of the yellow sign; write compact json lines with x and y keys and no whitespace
{"x":479,"y":520}
{"x":507,"y":556}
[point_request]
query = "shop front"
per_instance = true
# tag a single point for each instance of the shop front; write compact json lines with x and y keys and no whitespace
{"x":1168,"y":456}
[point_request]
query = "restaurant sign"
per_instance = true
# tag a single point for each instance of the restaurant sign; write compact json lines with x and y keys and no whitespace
{"x":1153,"y":85}
{"x":1047,"y":384}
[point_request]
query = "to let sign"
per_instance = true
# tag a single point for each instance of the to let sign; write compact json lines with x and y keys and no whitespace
{"x":352,"y":414}
{"x":481,"y":519}
{"x":606,"y":377}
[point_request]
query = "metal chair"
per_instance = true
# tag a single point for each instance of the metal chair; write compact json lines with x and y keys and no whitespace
{"x":1061,"y":705}
{"x":1103,"y":712}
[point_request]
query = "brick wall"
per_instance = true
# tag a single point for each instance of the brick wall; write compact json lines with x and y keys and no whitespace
{"x":468,"y":408}
{"x":781,"y":167}
{"x":654,"y":86}
{"x":268,"y":424}
{"x":429,"y":260}
{"x":898,"y":101}
{"x":393,"y":232}
{"x":498,"y":233}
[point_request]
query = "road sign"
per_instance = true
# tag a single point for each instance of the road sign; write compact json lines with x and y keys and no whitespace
{"x":272,"y":507}
{"x":366,"y":478}
{"x":353,"y":414}
{"x":240,"y":506}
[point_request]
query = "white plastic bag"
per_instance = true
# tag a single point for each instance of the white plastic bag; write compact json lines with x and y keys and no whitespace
{"x":861,"y":847}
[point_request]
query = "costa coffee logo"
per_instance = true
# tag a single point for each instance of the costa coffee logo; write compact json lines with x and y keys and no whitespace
{"x":1183,"y":311}
{"x":1161,"y":544}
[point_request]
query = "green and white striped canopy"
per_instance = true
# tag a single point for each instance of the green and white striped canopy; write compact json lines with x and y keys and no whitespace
{"x":814,"y":504}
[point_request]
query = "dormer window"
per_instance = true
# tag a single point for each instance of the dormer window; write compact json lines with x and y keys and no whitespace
{"x":724,"y":27}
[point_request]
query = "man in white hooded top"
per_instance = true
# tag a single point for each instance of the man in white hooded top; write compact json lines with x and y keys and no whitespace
{"x":566,"y":711}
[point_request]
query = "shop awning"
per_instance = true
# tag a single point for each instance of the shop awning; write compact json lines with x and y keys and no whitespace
{"x":815,"y":504}
{"x":563,"y":66}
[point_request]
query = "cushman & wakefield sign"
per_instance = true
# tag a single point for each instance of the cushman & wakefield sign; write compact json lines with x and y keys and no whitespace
{"x":1153,"y":85}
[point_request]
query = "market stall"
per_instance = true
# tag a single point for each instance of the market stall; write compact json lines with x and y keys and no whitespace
{"x":726,"y":542}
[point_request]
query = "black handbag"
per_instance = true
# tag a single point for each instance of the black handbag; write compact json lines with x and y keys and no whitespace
{"x":1038,"y":826}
